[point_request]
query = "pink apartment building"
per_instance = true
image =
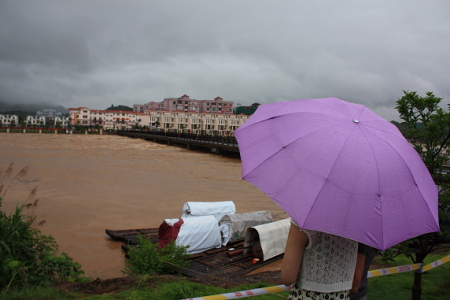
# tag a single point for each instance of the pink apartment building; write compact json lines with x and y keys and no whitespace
{"x":186,"y":104}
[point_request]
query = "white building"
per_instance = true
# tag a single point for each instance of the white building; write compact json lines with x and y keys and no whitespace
{"x":106,"y":119}
{"x":35,"y":121}
{"x":63,"y":122}
{"x":196,"y":122}
{"x":48,"y":113}
{"x":8,"y":120}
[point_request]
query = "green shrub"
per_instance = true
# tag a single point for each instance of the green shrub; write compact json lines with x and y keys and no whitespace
{"x":27,"y":256}
{"x":147,"y":259}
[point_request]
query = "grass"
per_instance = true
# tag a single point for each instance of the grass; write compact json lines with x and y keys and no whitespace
{"x":436,"y":286}
{"x":436,"y":282}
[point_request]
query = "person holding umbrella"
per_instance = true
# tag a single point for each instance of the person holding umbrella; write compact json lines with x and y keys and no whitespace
{"x":318,"y":265}
{"x":344,"y":175}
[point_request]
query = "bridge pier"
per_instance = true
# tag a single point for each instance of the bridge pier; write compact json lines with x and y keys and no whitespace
{"x":216,"y":150}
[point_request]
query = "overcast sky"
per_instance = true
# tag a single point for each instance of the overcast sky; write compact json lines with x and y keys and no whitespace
{"x":96,"y":53}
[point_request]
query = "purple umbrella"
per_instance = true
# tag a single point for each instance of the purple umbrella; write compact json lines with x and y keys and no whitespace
{"x":338,"y":167}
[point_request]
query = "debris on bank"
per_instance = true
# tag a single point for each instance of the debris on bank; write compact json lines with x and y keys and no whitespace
{"x":221,"y":242}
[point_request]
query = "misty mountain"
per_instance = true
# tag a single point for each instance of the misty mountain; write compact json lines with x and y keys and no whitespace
{"x":31,"y":107}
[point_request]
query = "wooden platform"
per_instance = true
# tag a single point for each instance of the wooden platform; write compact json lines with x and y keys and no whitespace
{"x":129,"y":236}
{"x":218,"y":262}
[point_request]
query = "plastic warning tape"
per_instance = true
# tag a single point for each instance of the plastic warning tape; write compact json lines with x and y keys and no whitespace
{"x":282,"y":288}
{"x":436,"y":263}
{"x":393,"y":270}
{"x":407,"y":268}
{"x":244,"y":294}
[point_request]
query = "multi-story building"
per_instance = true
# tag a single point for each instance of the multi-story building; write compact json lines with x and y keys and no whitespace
{"x":9,"y":120}
{"x":186,"y":104}
{"x":106,"y":119}
{"x":61,"y":122}
{"x":48,"y":113}
{"x":194,"y":122}
{"x":35,"y":121}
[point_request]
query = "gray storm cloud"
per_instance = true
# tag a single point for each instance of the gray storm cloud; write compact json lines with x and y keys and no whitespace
{"x":95,"y":53}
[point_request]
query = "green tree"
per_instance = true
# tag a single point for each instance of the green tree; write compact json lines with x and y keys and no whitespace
{"x":120,"y":107}
{"x":427,"y":127}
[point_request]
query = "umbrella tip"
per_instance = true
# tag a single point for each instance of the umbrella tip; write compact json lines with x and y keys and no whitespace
{"x":356,"y":121}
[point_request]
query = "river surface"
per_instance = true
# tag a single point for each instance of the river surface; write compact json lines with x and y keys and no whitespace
{"x":89,"y":183}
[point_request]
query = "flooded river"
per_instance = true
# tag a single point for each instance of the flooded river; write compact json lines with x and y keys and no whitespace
{"x":89,"y":183}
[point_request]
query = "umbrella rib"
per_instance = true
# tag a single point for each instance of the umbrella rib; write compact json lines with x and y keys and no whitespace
{"x":409,"y":170}
{"x":326,"y":178}
{"x":379,"y":178}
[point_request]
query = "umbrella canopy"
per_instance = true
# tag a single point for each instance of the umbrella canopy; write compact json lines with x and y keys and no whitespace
{"x":338,"y":167}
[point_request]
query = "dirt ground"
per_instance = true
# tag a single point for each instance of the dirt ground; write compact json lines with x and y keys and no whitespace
{"x":116,"y":285}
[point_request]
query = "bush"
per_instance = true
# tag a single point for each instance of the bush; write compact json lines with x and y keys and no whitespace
{"x":148,"y":259}
{"x":27,"y":256}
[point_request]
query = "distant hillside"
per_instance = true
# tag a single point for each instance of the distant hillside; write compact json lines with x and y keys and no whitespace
{"x":19,"y":113}
{"x":120,"y":107}
{"x":32,"y":107}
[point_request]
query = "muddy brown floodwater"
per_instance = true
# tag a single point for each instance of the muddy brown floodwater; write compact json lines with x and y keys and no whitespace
{"x":89,"y":183}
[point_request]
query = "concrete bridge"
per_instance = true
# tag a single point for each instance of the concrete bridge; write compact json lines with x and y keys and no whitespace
{"x":224,"y":145}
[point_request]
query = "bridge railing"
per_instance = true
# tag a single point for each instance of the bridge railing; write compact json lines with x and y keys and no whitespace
{"x":205,"y":138}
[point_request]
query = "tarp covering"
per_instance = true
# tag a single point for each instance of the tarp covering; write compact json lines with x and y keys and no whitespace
{"x":168,"y":231}
{"x":268,"y":238}
{"x":216,"y":209}
{"x":234,"y":227}
{"x":200,"y":234}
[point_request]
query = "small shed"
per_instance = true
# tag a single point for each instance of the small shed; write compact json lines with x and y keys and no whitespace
{"x":200,"y":234}
{"x":267,"y":240}
{"x":216,"y":209}
{"x":233,"y":227}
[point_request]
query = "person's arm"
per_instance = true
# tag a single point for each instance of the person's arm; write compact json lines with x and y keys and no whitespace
{"x":359,"y":270}
{"x":295,"y":246}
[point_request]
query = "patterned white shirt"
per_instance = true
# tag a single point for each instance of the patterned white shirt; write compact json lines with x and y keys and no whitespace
{"x":328,"y":263}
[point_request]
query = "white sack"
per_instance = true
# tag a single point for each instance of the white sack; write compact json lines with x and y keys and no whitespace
{"x":216,"y":209}
{"x":200,"y":234}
